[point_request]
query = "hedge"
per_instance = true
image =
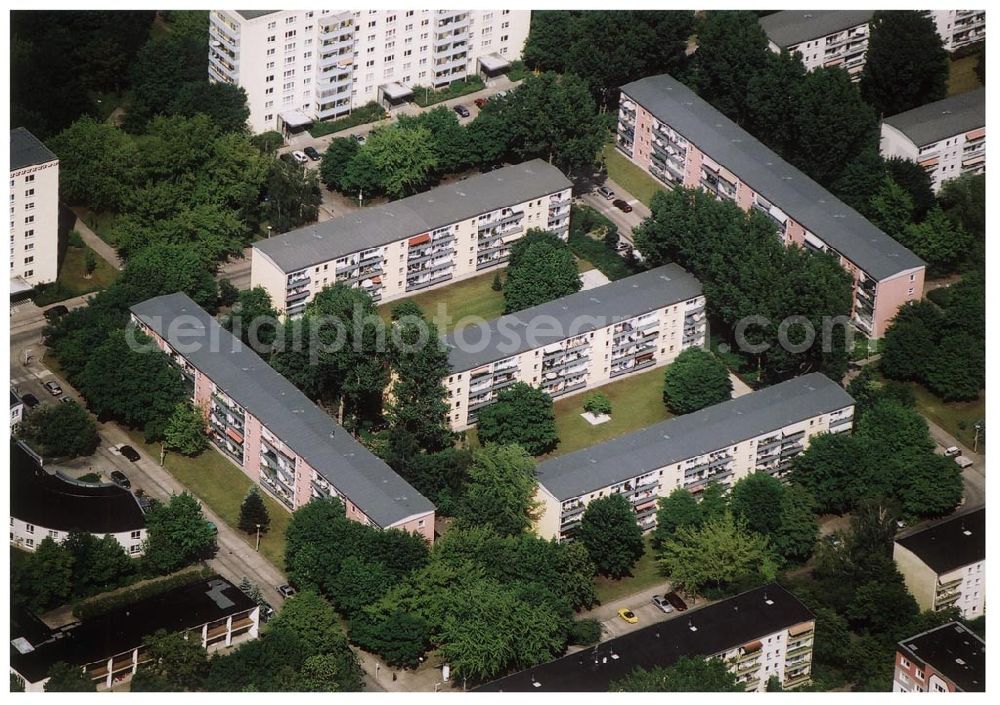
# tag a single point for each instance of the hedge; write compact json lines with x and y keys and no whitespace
{"x":102,"y":604}
{"x":369,"y":112}
{"x":584,"y":220}
{"x":423,"y":96}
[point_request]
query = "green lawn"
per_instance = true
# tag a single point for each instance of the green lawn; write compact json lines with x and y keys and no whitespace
{"x":100,"y":223}
{"x":636,"y":402}
{"x":962,"y":75}
{"x":72,"y":282}
{"x":222,"y":486}
{"x":629,"y":176}
{"x":957,"y":418}
{"x":644,"y":576}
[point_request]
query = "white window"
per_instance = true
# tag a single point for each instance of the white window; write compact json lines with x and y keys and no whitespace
{"x":272,"y":25}
{"x":29,"y":219}
{"x":134,"y":549}
{"x":29,"y":528}
{"x":29,"y":260}
{"x":30,"y":543}
{"x":30,"y":246}
{"x":29,"y":178}
{"x":136,"y":535}
{"x":29,"y":193}
{"x":27,"y":233}
{"x":53,"y":534}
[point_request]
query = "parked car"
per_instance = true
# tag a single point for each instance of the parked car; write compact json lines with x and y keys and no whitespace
{"x":30,"y":401}
{"x":952,"y":452}
{"x":55,"y":312}
{"x":213,"y":527}
{"x":286,"y":590}
{"x":312,"y":153}
{"x":606,"y":192}
{"x":66,"y":399}
{"x":963,"y":462}
{"x":360,"y":139}
{"x":53,"y":387}
{"x":661,"y":602}
{"x":287,"y":157}
{"x":462,"y":111}
{"x":628,"y":615}
{"x":622,"y":246}
{"x":674,"y":599}
{"x":480,"y":102}
{"x":129,"y":453}
{"x":299,"y":157}
{"x":500,"y":94}
{"x":622,"y":205}
{"x":119,"y":478}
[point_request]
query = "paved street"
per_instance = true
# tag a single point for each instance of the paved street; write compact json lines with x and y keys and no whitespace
{"x":624,"y":221}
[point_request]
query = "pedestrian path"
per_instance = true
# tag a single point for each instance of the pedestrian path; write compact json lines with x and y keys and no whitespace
{"x":94,"y":242}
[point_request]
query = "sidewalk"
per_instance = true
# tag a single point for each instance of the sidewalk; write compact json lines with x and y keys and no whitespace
{"x":94,"y":242}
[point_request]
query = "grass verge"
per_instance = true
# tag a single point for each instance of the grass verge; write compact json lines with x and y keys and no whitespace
{"x":629,"y":176}
{"x":222,"y":486}
{"x":424,"y":96}
{"x":957,"y":418}
{"x":72,"y":280}
{"x":370,"y":112}
{"x":644,"y":576}
{"x":962,"y":74}
{"x":450,"y":304}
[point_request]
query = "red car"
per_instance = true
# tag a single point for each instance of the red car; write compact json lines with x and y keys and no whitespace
{"x":480,"y":102}
{"x":622,"y":205}
{"x":674,"y":599}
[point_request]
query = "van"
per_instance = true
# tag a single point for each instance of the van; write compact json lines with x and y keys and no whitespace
{"x":606,"y":192}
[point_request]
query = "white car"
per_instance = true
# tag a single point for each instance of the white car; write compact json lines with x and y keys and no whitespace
{"x":952,"y":451}
{"x":661,"y":602}
{"x":300,"y":157}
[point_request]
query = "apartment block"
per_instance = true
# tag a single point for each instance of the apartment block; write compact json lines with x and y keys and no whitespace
{"x":959,"y":28}
{"x":947,"y":137}
{"x":762,"y":633}
{"x":111,"y":647}
{"x":333,"y":61}
{"x":947,"y":659}
{"x":44,"y":505}
{"x":759,"y":432}
{"x":260,"y":421}
{"x":34,"y":213}
{"x":577,"y":342}
{"x":681,"y":140}
{"x":424,"y":241}
{"x":822,"y":38}
{"x":944,"y":565}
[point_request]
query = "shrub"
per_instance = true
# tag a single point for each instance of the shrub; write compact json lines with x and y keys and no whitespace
{"x":598,"y":403}
{"x":102,"y":604}
{"x":369,"y":112}
{"x":584,"y":632}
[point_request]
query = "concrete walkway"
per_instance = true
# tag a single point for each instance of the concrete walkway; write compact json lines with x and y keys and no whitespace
{"x":739,"y":386}
{"x":94,"y":242}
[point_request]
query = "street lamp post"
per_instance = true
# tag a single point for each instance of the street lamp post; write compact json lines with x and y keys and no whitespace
{"x":257,"y":547}
{"x":269,"y":229}
{"x":975,"y":440}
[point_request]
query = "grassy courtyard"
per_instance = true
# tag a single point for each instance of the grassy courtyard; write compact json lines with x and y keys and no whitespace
{"x":957,"y":418}
{"x":636,"y":402}
{"x":962,"y":75}
{"x":72,"y":280}
{"x":629,"y":176}
{"x":222,"y":486}
{"x":644,"y":576}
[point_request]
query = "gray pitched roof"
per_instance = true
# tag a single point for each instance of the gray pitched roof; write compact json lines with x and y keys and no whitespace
{"x":367,"y":481}
{"x":765,"y":172}
{"x":581,"y":312}
{"x":943,"y":118}
{"x":27,"y":150}
{"x":444,"y":205}
{"x":691,"y":435}
{"x":791,"y":27}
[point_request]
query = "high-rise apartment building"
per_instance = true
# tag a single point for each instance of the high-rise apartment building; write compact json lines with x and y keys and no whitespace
{"x":758,"y":432}
{"x":677,"y":137}
{"x":34,"y":213}
{"x":300,"y":66}
{"x":417,"y":243}
{"x":947,"y":137}
{"x":959,"y":28}
{"x":577,"y":342}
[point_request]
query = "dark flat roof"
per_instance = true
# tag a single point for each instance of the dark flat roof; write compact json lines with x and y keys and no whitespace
{"x":53,"y":503}
{"x":604,"y":305}
{"x":305,"y":428}
{"x":126,"y":627}
{"x":954,"y":650}
{"x":27,"y":150}
{"x":811,"y":205}
{"x":254,"y":14}
{"x":690,"y":435}
{"x":380,"y":225}
{"x":950,"y":544}
{"x":791,"y":27}
{"x":943,"y":118}
{"x":720,"y":627}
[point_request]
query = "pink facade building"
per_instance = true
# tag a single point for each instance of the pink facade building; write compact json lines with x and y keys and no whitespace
{"x":681,"y":140}
{"x":271,"y":430}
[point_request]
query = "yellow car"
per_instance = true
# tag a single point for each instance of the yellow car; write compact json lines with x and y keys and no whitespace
{"x":628,"y":615}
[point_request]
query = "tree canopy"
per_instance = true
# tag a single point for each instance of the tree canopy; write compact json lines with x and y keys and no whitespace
{"x":611,"y":535}
{"x":521,"y":414}
{"x":691,"y":674}
{"x":694,"y":380}
{"x":500,"y":492}
{"x":60,"y":430}
{"x":541,"y":268}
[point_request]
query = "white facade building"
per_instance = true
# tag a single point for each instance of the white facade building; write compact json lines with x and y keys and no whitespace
{"x":34,"y":212}
{"x":299,"y":66}
{"x":823,"y":38}
{"x":959,"y":28}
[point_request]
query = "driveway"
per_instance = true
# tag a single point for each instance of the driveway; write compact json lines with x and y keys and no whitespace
{"x":625,"y":221}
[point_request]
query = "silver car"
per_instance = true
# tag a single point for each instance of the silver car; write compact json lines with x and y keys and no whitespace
{"x":661,"y":602}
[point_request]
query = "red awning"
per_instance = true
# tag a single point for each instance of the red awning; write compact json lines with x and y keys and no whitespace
{"x":420,"y":240}
{"x":976,"y":134}
{"x":234,"y":434}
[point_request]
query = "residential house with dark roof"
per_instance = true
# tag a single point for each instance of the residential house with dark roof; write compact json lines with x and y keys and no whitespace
{"x":822,"y":38}
{"x":110,"y":648}
{"x":947,"y":659}
{"x":947,"y":137}
{"x":757,"y":432}
{"x":944,"y":564}
{"x":434,"y":238}
{"x":762,"y":633}
{"x":681,"y":140}
{"x":271,"y":430}
{"x":52,"y":506}
{"x":34,"y":213}
{"x":577,"y":342}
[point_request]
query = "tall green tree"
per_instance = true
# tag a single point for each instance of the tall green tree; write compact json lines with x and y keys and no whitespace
{"x":336,"y":158}
{"x":64,"y":678}
{"x":906,"y":64}
{"x":688,"y":674}
{"x":97,"y":164}
{"x":293,"y":196}
{"x":404,"y":160}
{"x":796,"y":535}
{"x":677,"y":510}
{"x":694,"y":380}
{"x":541,"y":268}
{"x":61,"y":430}
{"x":916,"y":181}
{"x":176,"y":665}
{"x":99,"y":564}
{"x":755,"y":501}
{"x":611,"y":535}
{"x":522,"y":414}
{"x":161,"y":68}
{"x":253,"y":319}
{"x":938,"y":241}
{"x":184,"y":431}
{"x":253,"y":513}
{"x":45,"y":578}
{"x":224,"y":103}
{"x":179,"y":534}
{"x":167,"y":269}
{"x":501,"y":489}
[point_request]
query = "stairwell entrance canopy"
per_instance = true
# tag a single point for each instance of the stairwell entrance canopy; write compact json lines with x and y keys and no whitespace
{"x":396,"y":91}
{"x":493,"y":63}
{"x":295,"y":118}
